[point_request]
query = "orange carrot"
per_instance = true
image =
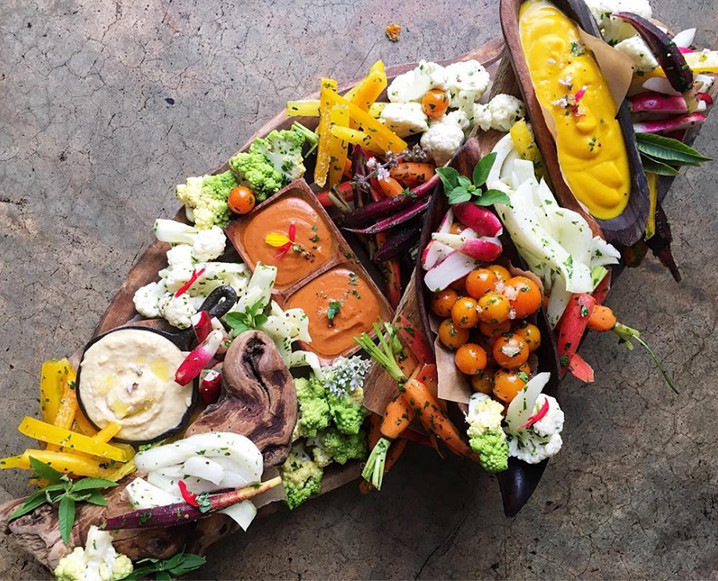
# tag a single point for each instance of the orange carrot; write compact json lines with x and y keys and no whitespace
{"x":390,"y":269}
{"x":347,"y":169}
{"x":374,"y":429}
{"x":602,"y":319}
{"x":412,"y":174}
{"x":391,"y":187}
{"x":399,"y":414}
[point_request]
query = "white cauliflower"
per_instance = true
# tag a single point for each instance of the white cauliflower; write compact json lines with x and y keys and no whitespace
{"x":177,"y":311}
{"x":98,"y":561}
{"x":444,"y":137}
{"x":405,"y":119}
{"x":466,"y":81}
{"x":209,"y":244}
{"x":148,"y":298}
{"x":615,"y":30}
{"x":639,"y":53}
{"x":542,"y":440}
{"x":414,"y":84}
{"x":180,"y":255}
{"x":500,"y":113}
{"x":484,"y":414}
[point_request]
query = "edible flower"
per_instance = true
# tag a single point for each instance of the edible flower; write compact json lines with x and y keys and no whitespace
{"x":282,"y":241}
{"x":187,"y":496}
{"x":538,"y":416}
{"x":192,"y":279}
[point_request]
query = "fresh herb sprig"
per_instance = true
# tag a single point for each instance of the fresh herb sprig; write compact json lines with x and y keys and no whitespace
{"x":459,"y":189}
{"x":166,"y":569}
{"x":333,"y":310}
{"x":65,"y":493}
{"x":252,"y":318}
{"x":665,"y":156}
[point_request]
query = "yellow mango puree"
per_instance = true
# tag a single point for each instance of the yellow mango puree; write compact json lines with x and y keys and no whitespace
{"x":570,"y":86}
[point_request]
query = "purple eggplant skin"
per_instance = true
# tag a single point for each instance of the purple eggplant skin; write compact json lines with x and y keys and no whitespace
{"x":401,"y":217}
{"x":660,"y":243}
{"x":370,"y":213}
{"x":518,"y":483}
{"x":400,"y":242}
{"x":672,"y":61}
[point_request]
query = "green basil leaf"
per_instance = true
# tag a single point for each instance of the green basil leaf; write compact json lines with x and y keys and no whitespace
{"x":163,"y":576}
{"x":657,"y":167}
{"x":66,"y":518}
{"x":668,"y":149}
{"x":464,"y":182}
{"x":97,"y":498}
{"x":483,"y":168}
{"x":491,"y":197}
{"x":32,"y":502}
{"x":234,"y":319}
{"x":45,"y":471}
{"x":459,"y":195}
{"x":190,"y":562}
{"x":449,"y":177}
{"x":259,"y":320}
{"x":89,"y":483}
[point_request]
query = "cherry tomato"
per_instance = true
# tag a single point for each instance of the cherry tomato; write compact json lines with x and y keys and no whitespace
{"x":457,"y":228}
{"x":480,"y":281}
{"x":507,"y":383}
{"x":524,"y":368}
{"x":464,"y":313}
{"x":452,"y":336}
{"x":530,"y":334}
{"x":442,"y":301}
{"x":524,"y":295}
{"x":459,"y":285}
{"x":495,"y":330}
{"x":494,"y":308}
{"x":483,"y":382}
{"x":241,"y":200}
{"x":435,"y":103}
{"x":470,"y":358}
{"x":510,"y":351}
{"x":501,"y":273}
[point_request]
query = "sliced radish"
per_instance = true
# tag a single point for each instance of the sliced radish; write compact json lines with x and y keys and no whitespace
{"x":480,"y":219}
{"x":484,"y":249}
{"x":434,"y":253}
{"x":684,"y":39}
{"x":451,"y":269}
{"x":660,"y":85}
{"x":199,"y":358}
{"x":667,"y":125}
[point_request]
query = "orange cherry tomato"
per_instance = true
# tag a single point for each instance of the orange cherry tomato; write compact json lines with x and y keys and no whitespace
{"x":435,"y":103}
{"x":480,"y":281}
{"x":464,"y":313}
{"x":507,"y":383}
{"x":530,"y":334}
{"x":459,"y":285}
{"x":470,"y":358}
{"x":241,"y":200}
{"x":524,"y":368}
{"x":510,"y":351}
{"x":483,"y":382}
{"x":501,"y":273}
{"x":524,"y":295}
{"x":494,"y":308}
{"x":492,"y":331}
{"x":452,"y":336}
{"x":443,"y":301}
{"x":456,"y":228}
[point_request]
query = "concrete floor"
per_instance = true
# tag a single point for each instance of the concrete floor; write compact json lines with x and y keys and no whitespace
{"x":106,"y":105}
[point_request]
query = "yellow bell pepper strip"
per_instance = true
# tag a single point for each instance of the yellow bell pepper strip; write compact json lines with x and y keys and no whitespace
{"x":83,"y":425}
{"x":653,"y":193}
{"x":117,"y":473}
{"x":383,"y":136}
{"x":68,"y":463}
{"x":339,"y":148}
{"x":357,"y":137}
{"x":108,"y":432}
{"x":369,"y":89}
{"x":309,"y":108}
{"x":68,"y":404}
{"x":15,"y":462}
{"x":321,"y":169}
{"x":70,"y":440}
{"x":376,"y":108}
{"x":51,"y":386}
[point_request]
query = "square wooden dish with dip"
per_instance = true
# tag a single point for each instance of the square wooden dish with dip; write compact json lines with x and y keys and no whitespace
{"x":318,"y":273}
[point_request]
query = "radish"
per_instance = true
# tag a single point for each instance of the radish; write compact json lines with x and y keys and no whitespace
{"x":210,"y":386}
{"x":684,"y":39}
{"x":199,"y":358}
{"x":657,"y":103}
{"x":660,"y":85}
{"x":480,"y":219}
{"x":451,"y":269}
{"x":666,"y":125}
{"x":202,"y":324}
{"x":434,"y":253}
{"x":484,"y":248}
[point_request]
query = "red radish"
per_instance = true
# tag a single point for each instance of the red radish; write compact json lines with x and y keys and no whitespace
{"x":202,"y":324}
{"x":705,"y":97}
{"x":199,"y":358}
{"x":482,"y":220}
{"x":414,"y":340}
{"x":538,"y":416}
{"x":451,"y":269}
{"x":666,"y":125}
{"x":434,"y":253}
{"x":657,"y":103}
{"x":485,"y":249}
{"x":602,"y":288}
{"x":226,"y":341}
{"x":186,"y":286}
{"x":210,"y":386}
{"x":572,"y":326}
{"x":182,"y":512}
{"x":580,"y":369}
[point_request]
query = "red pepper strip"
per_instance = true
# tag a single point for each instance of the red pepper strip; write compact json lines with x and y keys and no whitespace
{"x":539,"y":415}
{"x":602,"y":288}
{"x":572,"y":326}
{"x":576,"y":98}
{"x":415,"y":340}
{"x":187,"y":496}
{"x":391,"y":270}
{"x":429,"y":376}
{"x":185,"y":287}
{"x":292,"y":231}
{"x":580,"y":369}
{"x":292,"y":235}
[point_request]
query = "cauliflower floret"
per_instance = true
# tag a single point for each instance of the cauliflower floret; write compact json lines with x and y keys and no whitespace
{"x":444,"y":137}
{"x":209,"y":244}
{"x":552,"y":422}
{"x":486,"y":436}
{"x":500,"y":113}
{"x":639,"y":53}
{"x":148,"y":298}
{"x":405,"y":119}
{"x":484,"y":414}
{"x":98,"y":561}
{"x":413,"y":85}
{"x":181,"y":256}
{"x":466,"y":80}
{"x":614,"y":29}
{"x":543,"y":439}
{"x":178,"y":311}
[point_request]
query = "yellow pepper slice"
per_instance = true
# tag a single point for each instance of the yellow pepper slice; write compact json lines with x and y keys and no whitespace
{"x":308,"y":108}
{"x":15,"y":462}
{"x":72,"y":440}
{"x":653,"y":197}
{"x":83,"y":425}
{"x":369,"y":89}
{"x":378,"y":66}
{"x":68,"y":463}
{"x":119,"y":472}
{"x":51,"y":386}
{"x":338,"y":151}
{"x":357,"y":137}
{"x":376,"y":108}
{"x":108,"y":432}
{"x":321,"y":169}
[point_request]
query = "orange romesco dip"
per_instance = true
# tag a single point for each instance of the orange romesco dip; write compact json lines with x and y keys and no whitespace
{"x":340,"y":305}
{"x":313,"y":242}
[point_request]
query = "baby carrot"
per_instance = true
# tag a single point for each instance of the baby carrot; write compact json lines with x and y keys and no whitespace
{"x":391,"y":187}
{"x":412,"y":174}
{"x":399,"y":414}
{"x":602,"y":319}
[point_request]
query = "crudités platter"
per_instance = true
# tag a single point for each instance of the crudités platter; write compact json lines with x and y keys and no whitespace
{"x":412,"y":259}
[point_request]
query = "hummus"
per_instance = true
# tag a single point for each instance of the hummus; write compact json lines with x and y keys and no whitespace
{"x":127,"y":377}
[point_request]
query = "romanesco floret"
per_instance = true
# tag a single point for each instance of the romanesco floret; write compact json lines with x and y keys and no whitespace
{"x":333,"y":446}
{"x":98,"y":561}
{"x":343,"y":382}
{"x":486,"y":436}
{"x":301,"y":476}
{"x":257,"y":173}
{"x":284,"y":150}
{"x":313,"y":414}
{"x":207,"y":198}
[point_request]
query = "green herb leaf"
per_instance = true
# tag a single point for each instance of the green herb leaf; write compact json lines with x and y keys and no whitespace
{"x":90,"y":483}
{"x":97,"y":498}
{"x":45,"y":471}
{"x":188,"y":563}
{"x":259,"y":320}
{"x":668,"y":149}
{"x":483,"y":168}
{"x":464,"y":182}
{"x":459,"y":195}
{"x":33,"y":501}
{"x":178,"y":565}
{"x":449,"y":177}
{"x":492,"y":197}
{"x":333,"y":310}
{"x":651,"y":165}
{"x":66,"y":518}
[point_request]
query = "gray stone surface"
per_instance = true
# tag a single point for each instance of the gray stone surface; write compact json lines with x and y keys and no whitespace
{"x":104,"y":106}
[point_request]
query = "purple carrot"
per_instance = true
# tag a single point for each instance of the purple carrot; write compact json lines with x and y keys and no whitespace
{"x":199,"y":358}
{"x":660,"y":243}
{"x":399,"y":218}
{"x":668,"y":125}
{"x":398,"y":243}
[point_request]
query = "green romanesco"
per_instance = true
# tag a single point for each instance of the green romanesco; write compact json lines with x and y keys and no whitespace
{"x":344,"y":381}
{"x":313,"y":414}
{"x":486,"y":436}
{"x":257,"y":173}
{"x":301,"y":476}
{"x":98,"y":561}
{"x":333,"y":446}
{"x":206,"y":199}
